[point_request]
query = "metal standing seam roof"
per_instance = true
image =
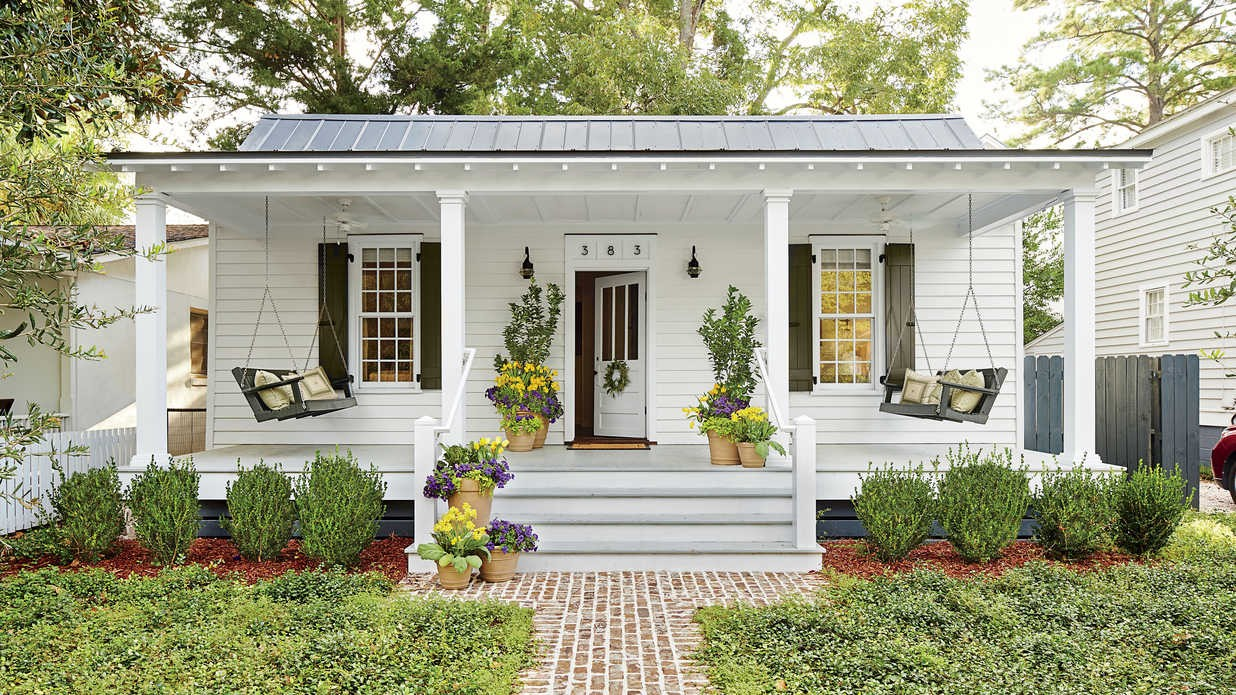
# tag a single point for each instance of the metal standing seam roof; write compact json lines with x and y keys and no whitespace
{"x":557,"y":134}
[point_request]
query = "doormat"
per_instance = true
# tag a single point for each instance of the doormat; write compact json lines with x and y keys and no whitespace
{"x":606,"y":445}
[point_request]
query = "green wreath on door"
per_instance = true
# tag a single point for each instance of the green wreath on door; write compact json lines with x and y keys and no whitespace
{"x":617,"y":377}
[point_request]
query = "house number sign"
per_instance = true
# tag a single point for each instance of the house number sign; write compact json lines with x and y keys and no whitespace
{"x":604,"y":249}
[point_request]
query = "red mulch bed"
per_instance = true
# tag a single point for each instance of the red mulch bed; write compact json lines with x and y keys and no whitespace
{"x":219,"y":555}
{"x":851,"y":557}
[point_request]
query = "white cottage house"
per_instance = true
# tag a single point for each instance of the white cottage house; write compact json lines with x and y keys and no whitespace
{"x":1151,"y":227}
{"x":613,"y":207}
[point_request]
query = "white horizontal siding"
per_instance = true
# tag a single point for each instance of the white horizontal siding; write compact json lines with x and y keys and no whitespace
{"x":940,"y":287}
{"x":729,"y":254}
{"x":1156,"y":245}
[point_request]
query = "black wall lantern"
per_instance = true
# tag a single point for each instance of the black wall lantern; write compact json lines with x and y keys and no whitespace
{"x":693,"y":267}
{"x":525,"y":270}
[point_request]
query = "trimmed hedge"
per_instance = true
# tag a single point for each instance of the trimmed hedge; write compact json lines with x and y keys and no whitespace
{"x":90,"y":510}
{"x":981,"y":501}
{"x":895,"y":506}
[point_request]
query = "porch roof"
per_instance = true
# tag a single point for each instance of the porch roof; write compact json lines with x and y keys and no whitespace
{"x":560,"y":134}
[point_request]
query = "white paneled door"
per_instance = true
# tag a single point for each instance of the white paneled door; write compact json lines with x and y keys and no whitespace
{"x":620,"y":339}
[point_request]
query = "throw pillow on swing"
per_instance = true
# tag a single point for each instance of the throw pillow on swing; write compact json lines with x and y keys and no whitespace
{"x":277,"y":398}
{"x":316,"y":385}
{"x":918,"y":388}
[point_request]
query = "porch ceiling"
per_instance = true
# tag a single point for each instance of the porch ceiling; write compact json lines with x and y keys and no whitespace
{"x":420,"y":211}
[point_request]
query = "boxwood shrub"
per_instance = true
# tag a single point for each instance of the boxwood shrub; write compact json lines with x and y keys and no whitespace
{"x":896,"y":507}
{"x":982,"y":499}
{"x":260,"y":504}
{"x":164,"y":504}
{"x":339,"y":506}
{"x":90,"y":510}
{"x":1149,"y":504}
{"x":1073,"y":513}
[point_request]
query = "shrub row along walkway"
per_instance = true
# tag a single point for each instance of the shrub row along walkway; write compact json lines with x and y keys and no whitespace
{"x":622,"y":632}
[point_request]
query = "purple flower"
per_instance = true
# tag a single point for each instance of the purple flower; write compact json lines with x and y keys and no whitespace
{"x":511,"y":538}
{"x":724,"y":406}
{"x":459,"y":461}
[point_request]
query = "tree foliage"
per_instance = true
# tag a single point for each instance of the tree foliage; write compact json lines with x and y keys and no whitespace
{"x":1042,"y":272}
{"x":1214,"y":280}
{"x":75,"y":75}
{"x":1100,"y":71}
{"x":566,"y":56}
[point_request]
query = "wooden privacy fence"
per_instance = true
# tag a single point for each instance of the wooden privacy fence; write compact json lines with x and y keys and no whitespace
{"x":36,"y":477}
{"x":1146,"y":409}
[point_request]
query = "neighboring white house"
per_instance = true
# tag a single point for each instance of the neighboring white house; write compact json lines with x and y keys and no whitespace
{"x":1151,"y":227}
{"x":615,"y":207}
{"x":92,"y":394}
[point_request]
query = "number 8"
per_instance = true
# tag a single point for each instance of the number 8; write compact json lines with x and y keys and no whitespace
{"x":610,"y":250}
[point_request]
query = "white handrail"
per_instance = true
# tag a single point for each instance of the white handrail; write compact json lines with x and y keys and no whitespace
{"x":774,"y":407}
{"x":469,"y":357}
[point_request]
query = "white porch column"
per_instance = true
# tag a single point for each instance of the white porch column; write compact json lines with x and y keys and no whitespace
{"x":150,"y":328}
{"x":777,"y":294}
{"x":452,"y":204}
{"x":1079,"y":350}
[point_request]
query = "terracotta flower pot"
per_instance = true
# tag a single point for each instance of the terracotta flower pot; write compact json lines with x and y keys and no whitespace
{"x":452,"y":579}
{"x":470,"y":492}
{"x":500,"y":567}
{"x":538,"y":440}
{"x":721,"y":451}
{"x":520,"y":442}
{"x":746,"y":454}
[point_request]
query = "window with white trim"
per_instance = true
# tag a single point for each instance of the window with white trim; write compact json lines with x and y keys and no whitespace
{"x":1154,"y":310}
{"x":384,"y":278}
{"x":849,"y":291}
{"x":1124,"y":190}
{"x":1219,"y":153}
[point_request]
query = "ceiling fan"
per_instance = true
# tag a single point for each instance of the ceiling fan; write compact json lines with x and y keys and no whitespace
{"x":347,"y":221}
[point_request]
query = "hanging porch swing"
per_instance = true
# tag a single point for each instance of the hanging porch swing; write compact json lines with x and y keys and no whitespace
{"x":286,"y":394}
{"x":940,"y":399}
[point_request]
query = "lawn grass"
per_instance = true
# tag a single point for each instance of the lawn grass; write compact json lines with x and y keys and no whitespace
{"x":188,"y":631}
{"x":1162,"y":628}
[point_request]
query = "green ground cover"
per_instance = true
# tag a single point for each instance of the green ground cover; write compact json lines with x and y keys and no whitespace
{"x":1165,"y":627}
{"x":188,"y":631}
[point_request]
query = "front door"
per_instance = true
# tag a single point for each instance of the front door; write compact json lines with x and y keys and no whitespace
{"x":620,"y":315}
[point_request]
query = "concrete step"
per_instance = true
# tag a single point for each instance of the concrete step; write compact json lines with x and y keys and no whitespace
{"x":685,"y":534}
{"x":645,"y":480}
{"x":517,"y":506}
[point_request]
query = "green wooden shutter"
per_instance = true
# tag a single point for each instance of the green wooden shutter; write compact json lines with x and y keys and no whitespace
{"x":333,"y":309}
{"x":431,"y":316}
{"x":801,"y":302}
{"x":898,"y":303}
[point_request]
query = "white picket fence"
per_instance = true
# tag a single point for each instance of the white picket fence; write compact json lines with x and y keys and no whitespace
{"x":35,"y":479}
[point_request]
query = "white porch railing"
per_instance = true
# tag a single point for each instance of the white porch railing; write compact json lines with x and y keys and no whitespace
{"x":35,"y":477}
{"x":802,"y":450}
{"x":426,"y":433}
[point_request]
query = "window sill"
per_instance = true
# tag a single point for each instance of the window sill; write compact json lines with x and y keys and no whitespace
{"x":372,"y":389}
{"x":847,"y":390}
{"x":196,"y":381}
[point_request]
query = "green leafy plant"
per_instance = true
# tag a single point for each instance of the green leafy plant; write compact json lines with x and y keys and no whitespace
{"x":534,"y":323}
{"x":90,"y":510}
{"x":516,"y":422}
{"x":261,"y":512}
{"x":729,"y":337}
{"x":896,"y":507}
{"x":457,"y":541}
{"x":164,"y":504}
{"x":1203,"y":538}
{"x":339,"y":506}
{"x":1073,"y":513}
{"x":39,"y":542}
{"x":981,"y":501}
{"x":331,"y":586}
{"x":751,"y":425}
{"x":723,"y":426}
{"x":1149,"y":504}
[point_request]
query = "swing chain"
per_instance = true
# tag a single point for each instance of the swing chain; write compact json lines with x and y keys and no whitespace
{"x":970,"y":293}
{"x":267,"y":295}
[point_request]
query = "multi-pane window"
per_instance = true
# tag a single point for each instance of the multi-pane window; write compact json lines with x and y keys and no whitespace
{"x":1124,"y":190}
{"x":1154,"y":315}
{"x":847,"y":316}
{"x":385,"y":276}
{"x":1220,"y":153}
{"x":199,"y":324}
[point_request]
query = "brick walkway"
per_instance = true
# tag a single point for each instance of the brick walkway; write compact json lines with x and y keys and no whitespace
{"x":622,"y":632}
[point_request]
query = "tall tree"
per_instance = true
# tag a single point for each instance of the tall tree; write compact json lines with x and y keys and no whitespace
{"x":1042,"y":271}
{"x":1101,"y":71}
{"x":1214,"y":280}
{"x":568,"y":56}
{"x":75,"y":73}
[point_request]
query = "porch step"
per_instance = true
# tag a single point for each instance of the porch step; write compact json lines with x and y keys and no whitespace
{"x":683,"y":504}
{"x":658,"y":519}
{"x":662,"y":556}
{"x":586,"y":490}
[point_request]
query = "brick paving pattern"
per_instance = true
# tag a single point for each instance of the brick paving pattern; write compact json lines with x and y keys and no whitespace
{"x":622,"y":633}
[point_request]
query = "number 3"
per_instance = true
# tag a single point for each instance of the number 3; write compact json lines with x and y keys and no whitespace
{"x":583,"y":250}
{"x":636,"y":251}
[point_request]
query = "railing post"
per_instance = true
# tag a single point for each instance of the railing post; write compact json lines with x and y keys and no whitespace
{"x":803,"y":473}
{"x":424,"y":454}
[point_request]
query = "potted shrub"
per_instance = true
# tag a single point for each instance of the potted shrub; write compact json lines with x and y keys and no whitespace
{"x":468,"y":475}
{"x":712,"y":415}
{"x":729,"y":337}
{"x":524,"y":382}
{"x":457,"y":548}
{"x":526,"y":389}
{"x":506,"y":542}
{"x":754,"y":434}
